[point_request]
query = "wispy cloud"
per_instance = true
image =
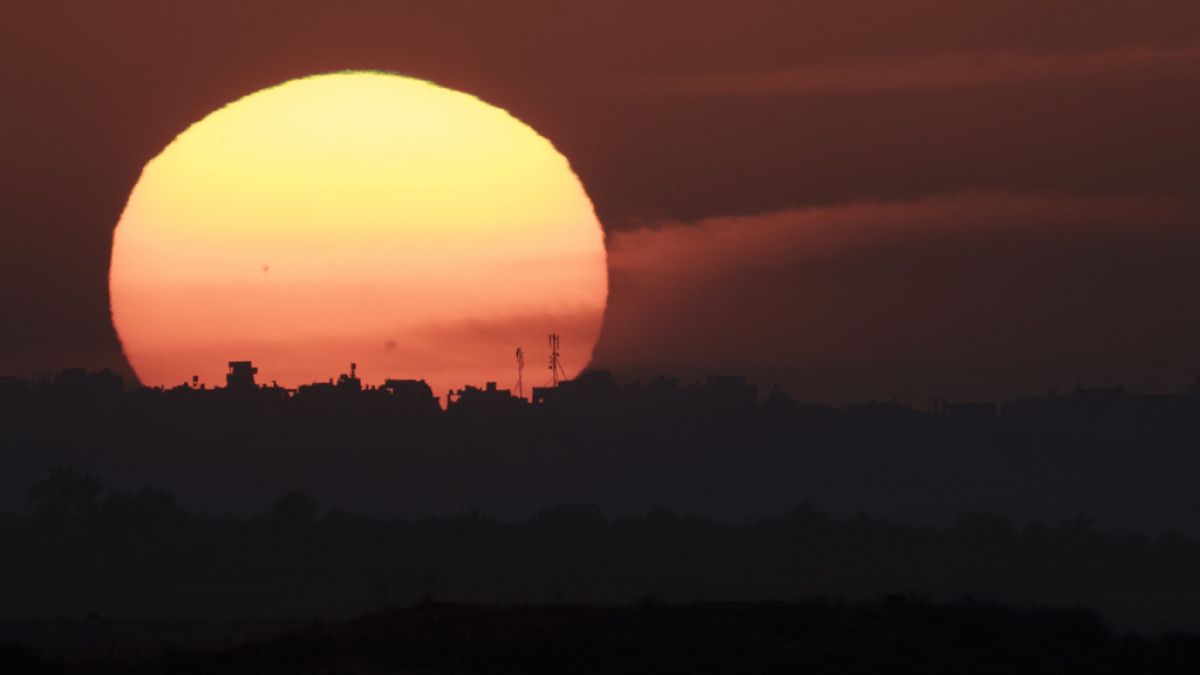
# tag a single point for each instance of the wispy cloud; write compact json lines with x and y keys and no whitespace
{"x":951,"y":71}
{"x":973,"y":295}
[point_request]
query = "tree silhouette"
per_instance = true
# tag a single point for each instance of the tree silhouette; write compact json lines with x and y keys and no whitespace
{"x":294,"y":509}
{"x":66,"y":494}
{"x":1078,"y":526}
{"x":151,"y":514}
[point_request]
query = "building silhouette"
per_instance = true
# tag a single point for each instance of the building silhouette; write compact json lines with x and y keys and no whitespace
{"x":240,"y":377}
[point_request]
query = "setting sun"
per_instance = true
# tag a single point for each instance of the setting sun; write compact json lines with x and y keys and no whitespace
{"x":360,"y":217}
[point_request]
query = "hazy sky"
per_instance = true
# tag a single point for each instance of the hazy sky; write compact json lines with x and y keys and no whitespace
{"x":860,"y":199}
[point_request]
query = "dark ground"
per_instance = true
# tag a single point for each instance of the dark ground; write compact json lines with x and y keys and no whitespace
{"x":892,"y":636}
{"x":141,"y":516}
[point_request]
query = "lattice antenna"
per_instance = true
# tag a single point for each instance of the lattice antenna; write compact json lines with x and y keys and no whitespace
{"x":520,"y":373}
{"x":557,"y":374}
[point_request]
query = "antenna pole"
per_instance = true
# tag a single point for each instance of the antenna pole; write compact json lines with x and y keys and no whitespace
{"x":520,"y":371}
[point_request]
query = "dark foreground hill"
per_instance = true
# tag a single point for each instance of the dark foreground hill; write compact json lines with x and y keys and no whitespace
{"x":142,"y":556}
{"x":894,"y":636}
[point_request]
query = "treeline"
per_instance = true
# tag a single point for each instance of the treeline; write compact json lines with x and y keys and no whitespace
{"x":84,"y":551}
{"x":1127,"y":460}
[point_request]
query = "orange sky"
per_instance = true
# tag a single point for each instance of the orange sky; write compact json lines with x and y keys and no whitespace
{"x":727,"y":117}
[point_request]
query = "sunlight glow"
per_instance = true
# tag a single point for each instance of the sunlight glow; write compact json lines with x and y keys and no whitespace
{"x":360,"y":217}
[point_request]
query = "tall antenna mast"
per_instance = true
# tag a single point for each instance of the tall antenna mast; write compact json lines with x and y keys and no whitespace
{"x":520,"y":371}
{"x":557,"y":374}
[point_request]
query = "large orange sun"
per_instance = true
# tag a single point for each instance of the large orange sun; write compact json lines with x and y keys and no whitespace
{"x":360,"y":217}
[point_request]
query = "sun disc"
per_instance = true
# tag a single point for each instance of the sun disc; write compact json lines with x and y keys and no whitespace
{"x":365,"y":217}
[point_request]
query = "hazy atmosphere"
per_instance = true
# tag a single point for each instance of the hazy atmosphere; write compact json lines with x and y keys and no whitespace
{"x":1021,"y":176}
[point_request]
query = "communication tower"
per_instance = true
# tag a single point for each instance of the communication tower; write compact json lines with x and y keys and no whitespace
{"x":557,"y":374}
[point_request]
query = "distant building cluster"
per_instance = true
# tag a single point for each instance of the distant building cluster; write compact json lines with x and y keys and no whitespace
{"x":594,"y":390}
{"x":598,"y":393}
